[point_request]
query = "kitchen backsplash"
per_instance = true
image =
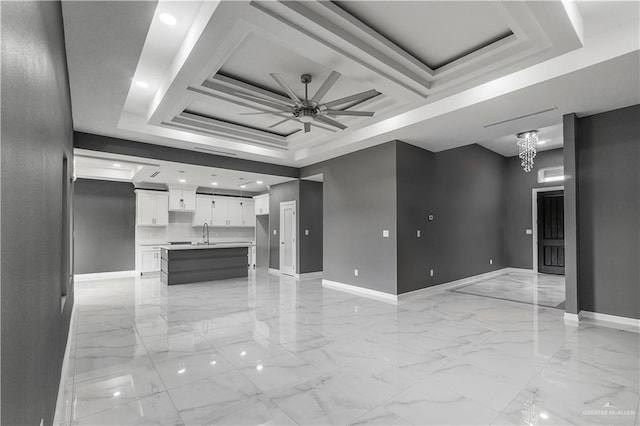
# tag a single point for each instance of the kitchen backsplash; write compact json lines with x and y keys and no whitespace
{"x":180,"y":229}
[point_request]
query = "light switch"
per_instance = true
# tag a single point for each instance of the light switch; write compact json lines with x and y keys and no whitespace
{"x":431,"y":272}
{"x":418,"y":233}
{"x":306,"y":232}
{"x":528,"y":231}
{"x":385,"y":233}
{"x":274,"y":232}
{"x":355,"y":272}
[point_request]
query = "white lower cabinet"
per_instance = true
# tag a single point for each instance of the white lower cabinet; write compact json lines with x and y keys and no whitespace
{"x":149,"y":260}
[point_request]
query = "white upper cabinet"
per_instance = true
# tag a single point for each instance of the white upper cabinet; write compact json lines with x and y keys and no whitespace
{"x":235,"y":212}
{"x":204,"y":211}
{"x":152,"y":208}
{"x":220,"y":211}
{"x":223,"y":211}
{"x":182,"y":199}
{"x":261,"y":204}
{"x":248,"y":213}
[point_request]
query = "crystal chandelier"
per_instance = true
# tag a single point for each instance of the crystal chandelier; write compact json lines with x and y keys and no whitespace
{"x":527,"y":142}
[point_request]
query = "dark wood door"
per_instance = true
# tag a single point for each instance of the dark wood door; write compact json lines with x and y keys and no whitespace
{"x":551,"y":232}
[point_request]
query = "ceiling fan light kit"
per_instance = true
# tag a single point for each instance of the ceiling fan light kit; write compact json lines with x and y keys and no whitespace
{"x":308,"y":111}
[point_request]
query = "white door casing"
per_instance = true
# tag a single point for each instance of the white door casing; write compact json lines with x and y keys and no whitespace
{"x":288,"y":237}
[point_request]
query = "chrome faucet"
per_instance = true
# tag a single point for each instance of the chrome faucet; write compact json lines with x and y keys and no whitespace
{"x":205,"y":235}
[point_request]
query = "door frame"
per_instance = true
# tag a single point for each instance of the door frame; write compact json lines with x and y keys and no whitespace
{"x":294,"y":248}
{"x":534,"y":219}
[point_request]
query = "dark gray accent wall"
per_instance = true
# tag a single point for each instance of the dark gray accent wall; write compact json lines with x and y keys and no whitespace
{"x":310,"y":218}
{"x":94,"y":142}
{"x":288,"y":191}
{"x":519,"y":186}
{"x":359,"y":202}
{"x":608,"y":170}
{"x":104,"y":226}
{"x":470,"y":214}
{"x":571,"y":270}
{"x":35,"y":222}
{"x":262,"y":241}
{"x":417,"y":199}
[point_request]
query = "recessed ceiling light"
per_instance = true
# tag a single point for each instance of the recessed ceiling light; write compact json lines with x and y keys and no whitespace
{"x":182,"y":371}
{"x":214,"y":183}
{"x":259,"y":367}
{"x":142,"y":84}
{"x":544,"y":416}
{"x":259,"y":182}
{"x":168,"y":19}
{"x":243,"y":186}
{"x":182,"y":179}
{"x":116,"y":393}
{"x":117,"y":165}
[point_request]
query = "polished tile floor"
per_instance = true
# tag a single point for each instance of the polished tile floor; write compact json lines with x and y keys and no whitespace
{"x":274,"y":350}
{"x":539,"y":289}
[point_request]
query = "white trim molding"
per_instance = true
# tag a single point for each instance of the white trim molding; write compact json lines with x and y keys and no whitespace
{"x":440,"y":288}
{"x":518,"y":271}
{"x":360,"y":291}
{"x":607,"y":320}
{"x":104,"y":276}
{"x":309,"y":275}
{"x":572,"y":319}
{"x":59,"y":416}
{"x":534,"y":219}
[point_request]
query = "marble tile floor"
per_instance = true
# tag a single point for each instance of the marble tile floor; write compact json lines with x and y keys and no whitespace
{"x":280,"y":351}
{"x":534,"y":289}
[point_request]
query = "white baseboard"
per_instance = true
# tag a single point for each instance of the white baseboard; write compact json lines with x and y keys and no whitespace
{"x":361,"y":291}
{"x":429,"y":291}
{"x":64,"y":374}
{"x":104,"y":276}
{"x":610,"y":320}
{"x":274,"y":271}
{"x":309,"y":275}
{"x":519,"y":270}
{"x":572,"y":319}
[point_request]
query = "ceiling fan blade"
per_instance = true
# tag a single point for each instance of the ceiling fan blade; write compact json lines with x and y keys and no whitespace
{"x":336,"y":112}
{"x":286,"y":87}
{"x":265,"y":100}
{"x":307,"y":127}
{"x":260,"y":113}
{"x":331,"y":122}
{"x":326,"y":86}
{"x":357,"y":97}
{"x":280,"y":122}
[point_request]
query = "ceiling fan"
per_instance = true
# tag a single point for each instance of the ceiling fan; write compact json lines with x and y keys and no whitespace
{"x":312,"y":111}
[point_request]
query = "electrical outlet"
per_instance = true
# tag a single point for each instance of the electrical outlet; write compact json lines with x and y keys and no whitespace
{"x":418,"y":233}
{"x":306,"y":232}
{"x":355,"y":272}
{"x":385,"y":233}
{"x":41,"y":422}
{"x":431,"y":272}
{"x":528,"y":231}
{"x":274,"y":232}
{"x":430,"y":217}
{"x":490,"y":261}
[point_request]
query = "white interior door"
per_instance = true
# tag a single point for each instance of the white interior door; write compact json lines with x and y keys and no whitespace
{"x":288,"y":237}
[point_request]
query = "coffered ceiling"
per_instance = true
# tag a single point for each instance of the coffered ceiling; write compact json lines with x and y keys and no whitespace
{"x":205,"y":83}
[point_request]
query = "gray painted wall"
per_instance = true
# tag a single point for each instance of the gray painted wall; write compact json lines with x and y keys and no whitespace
{"x":288,"y":191}
{"x":36,"y":135}
{"x":104,"y":226}
{"x":470,"y":214}
{"x":608,"y":163}
{"x":417,"y":199}
{"x":519,"y":186}
{"x":359,"y":201}
{"x":262,"y":241}
{"x":310,"y":218}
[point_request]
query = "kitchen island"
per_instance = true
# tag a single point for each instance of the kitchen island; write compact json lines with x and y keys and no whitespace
{"x":182,"y":264}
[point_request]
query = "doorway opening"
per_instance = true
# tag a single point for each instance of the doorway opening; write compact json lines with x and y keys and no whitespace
{"x":288,"y":237}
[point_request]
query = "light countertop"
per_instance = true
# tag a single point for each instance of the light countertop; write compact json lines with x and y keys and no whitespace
{"x":205,"y":246}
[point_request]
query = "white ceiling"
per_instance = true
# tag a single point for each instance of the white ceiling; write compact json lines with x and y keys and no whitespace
{"x":548,"y":63}
{"x":144,"y":172}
